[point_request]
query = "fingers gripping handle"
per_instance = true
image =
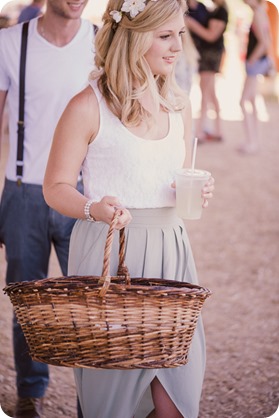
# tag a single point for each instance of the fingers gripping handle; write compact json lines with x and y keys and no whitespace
{"x":122,"y":269}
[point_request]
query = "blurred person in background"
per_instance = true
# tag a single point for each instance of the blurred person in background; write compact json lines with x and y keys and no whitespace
{"x":211,"y":53}
{"x":4,"y":21}
{"x":60,"y":55}
{"x":34,"y":9}
{"x":198,"y":12}
{"x":187,"y":64}
{"x":258,"y":61}
{"x":12,"y":9}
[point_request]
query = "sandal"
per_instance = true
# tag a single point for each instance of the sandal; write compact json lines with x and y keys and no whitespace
{"x":213,"y":137}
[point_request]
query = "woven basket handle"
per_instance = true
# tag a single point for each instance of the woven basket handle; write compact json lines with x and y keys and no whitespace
{"x":122,"y":269}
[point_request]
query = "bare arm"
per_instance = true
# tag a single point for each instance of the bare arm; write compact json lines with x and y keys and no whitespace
{"x":71,"y":138}
{"x":212,"y":33}
{"x":76,"y":128}
{"x":188,"y":133}
{"x":3,"y":95}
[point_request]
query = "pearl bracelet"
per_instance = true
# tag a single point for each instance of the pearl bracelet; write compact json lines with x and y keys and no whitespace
{"x":87,"y":207}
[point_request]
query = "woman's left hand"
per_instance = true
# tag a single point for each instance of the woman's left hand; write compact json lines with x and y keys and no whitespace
{"x":207,"y":191}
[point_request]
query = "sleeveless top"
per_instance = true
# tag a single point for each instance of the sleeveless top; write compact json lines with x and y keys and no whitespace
{"x":139,"y":172}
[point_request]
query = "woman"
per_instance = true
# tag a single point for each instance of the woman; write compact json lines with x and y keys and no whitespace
{"x":211,"y":53}
{"x":126,"y":130}
{"x":257,"y":62}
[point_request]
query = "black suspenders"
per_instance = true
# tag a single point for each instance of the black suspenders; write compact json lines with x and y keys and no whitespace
{"x":20,"y":124}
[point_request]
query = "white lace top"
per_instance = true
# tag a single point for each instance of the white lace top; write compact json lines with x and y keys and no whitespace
{"x":137,"y":171}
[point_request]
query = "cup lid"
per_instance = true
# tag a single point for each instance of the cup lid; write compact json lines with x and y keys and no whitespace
{"x":193,"y":173}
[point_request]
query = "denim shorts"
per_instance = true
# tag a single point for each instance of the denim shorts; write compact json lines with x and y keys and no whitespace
{"x":261,"y":66}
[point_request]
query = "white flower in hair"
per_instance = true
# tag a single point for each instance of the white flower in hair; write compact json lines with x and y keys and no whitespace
{"x":116,"y":15}
{"x":133,"y":7}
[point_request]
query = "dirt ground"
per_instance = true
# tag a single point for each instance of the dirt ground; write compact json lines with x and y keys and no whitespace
{"x":236,"y":246}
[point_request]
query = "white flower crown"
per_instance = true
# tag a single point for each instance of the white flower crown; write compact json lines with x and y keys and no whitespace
{"x":133,"y":7}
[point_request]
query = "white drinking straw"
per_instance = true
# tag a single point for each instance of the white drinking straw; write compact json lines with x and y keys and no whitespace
{"x":194,"y":154}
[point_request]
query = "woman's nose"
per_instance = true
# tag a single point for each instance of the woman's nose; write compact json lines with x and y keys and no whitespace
{"x":177,"y":45}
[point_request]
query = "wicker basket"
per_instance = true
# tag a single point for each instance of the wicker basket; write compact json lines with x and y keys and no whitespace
{"x":108,"y":322}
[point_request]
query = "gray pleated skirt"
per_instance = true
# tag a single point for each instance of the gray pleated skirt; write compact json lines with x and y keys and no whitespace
{"x":157,"y":246}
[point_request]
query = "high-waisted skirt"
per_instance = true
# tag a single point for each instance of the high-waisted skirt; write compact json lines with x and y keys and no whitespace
{"x":157,"y":246}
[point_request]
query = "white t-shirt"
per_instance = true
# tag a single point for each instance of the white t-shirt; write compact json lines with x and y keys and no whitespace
{"x":53,"y":76}
{"x":137,"y":171}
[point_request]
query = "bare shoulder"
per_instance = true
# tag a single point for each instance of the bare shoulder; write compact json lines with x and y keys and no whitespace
{"x":82,"y":111}
{"x":84,"y":101}
{"x":80,"y":119}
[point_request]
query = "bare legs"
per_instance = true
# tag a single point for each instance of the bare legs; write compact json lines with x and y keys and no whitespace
{"x":250,"y":118}
{"x":164,"y":407}
{"x":209,"y":98}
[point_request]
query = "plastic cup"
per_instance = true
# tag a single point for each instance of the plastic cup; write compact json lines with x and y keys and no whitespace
{"x":189,"y":184}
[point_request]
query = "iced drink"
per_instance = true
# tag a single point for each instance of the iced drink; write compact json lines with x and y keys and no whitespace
{"x":189,"y":184}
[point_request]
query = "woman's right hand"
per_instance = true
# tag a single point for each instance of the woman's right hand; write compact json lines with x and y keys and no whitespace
{"x":105,"y":209}
{"x":207,"y":191}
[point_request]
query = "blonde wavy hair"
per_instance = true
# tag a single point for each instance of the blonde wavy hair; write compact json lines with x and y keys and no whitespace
{"x":122,"y":71}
